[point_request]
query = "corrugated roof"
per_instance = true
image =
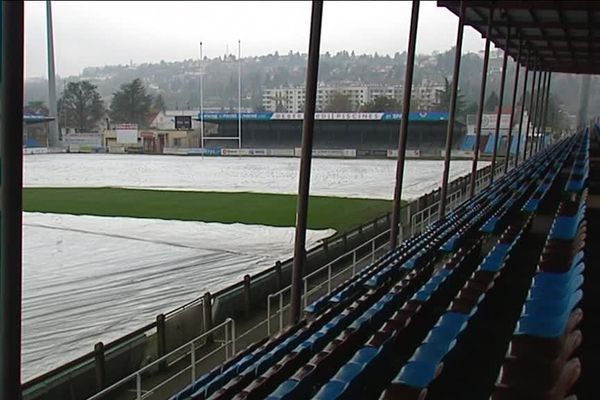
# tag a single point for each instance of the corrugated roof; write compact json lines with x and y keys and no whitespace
{"x":559,"y":36}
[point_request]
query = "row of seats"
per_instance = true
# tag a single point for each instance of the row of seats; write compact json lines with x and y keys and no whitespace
{"x":412,"y":264}
{"x":540,"y":361}
{"x":414,"y":247}
{"x":348,"y":380}
{"x":355,"y":376}
{"x":579,"y":173}
{"x":263,"y":368}
{"x":427,"y":361}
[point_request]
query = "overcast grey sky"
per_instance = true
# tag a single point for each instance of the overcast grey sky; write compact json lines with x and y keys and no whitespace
{"x":100,"y":33}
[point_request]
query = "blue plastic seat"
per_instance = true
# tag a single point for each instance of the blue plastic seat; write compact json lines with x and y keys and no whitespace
{"x":429,"y":353}
{"x":331,"y":390}
{"x":552,"y":307}
{"x":365,"y":355}
{"x":495,"y":258}
{"x":422,"y":295}
{"x":416,"y":374}
{"x":564,"y":228}
{"x":543,"y":327}
{"x":450,"y":244}
{"x":556,"y":290}
{"x":348,"y":372}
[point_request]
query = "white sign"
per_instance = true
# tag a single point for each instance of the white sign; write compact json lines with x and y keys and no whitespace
{"x":345,"y":153}
{"x":408,"y":153}
{"x":281,"y":152}
{"x":126,"y":126}
{"x":488,"y":121}
{"x":330,"y":116}
{"x":244,"y":152}
{"x":127,"y":136}
{"x":84,"y":139}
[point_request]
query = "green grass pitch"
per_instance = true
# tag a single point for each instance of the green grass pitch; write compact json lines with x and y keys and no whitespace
{"x":248,"y":208}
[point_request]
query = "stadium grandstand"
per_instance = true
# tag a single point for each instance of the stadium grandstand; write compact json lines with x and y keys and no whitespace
{"x":496,"y":298}
{"x":368,"y":133}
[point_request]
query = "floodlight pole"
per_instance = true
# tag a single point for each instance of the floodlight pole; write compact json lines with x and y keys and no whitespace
{"x":239,"y":94}
{"x":512,"y":109}
{"x":308,"y":123}
{"x":408,"y":79}
{"x":452,"y":114}
{"x":484,"y":71}
{"x":201,"y":98}
{"x":53,"y":135}
{"x":11,"y":194}
{"x":499,"y":112}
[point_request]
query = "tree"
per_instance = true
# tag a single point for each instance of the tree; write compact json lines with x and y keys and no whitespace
{"x":381,"y":104}
{"x":36,"y":107}
{"x":471,"y":108}
{"x":131,"y":104}
{"x":339,"y":102}
{"x":443,"y":103}
{"x":159,"y":103}
{"x":491,"y":103}
{"x":80,"y":106}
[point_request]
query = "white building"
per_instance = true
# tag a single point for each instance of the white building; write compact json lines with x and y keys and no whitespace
{"x":292,"y":99}
{"x":426,"y":95}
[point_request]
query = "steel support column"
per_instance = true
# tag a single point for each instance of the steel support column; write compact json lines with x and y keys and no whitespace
{"x":512,"y":110}
{"x":499,"y":113}
{"x":529,"y":113}
{"x":308,"y":123}
{"x":536,"y":113}
{"x":408,"y":78}
{"x":545,"y":115}
{"x":11,"y":191}
{"x":523,"y":98}
{"x":452,"y":111}
{"x":542,"y":111}
{"x":484,"y":70}
{"x":539,"y":108}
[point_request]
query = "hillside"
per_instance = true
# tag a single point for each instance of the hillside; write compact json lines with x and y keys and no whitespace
{"x":179,"y":81}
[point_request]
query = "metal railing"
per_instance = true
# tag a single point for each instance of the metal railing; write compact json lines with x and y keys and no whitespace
{"x":186,"y":351}
{"x":422,"y":218}
{"x":354,"y":260}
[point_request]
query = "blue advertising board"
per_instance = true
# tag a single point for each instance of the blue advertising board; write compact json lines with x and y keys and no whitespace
{"x":334,"y":116}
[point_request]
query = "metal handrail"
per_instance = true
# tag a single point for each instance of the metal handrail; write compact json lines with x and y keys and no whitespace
{"x":137,"y":375}
{"x":282,"y":292}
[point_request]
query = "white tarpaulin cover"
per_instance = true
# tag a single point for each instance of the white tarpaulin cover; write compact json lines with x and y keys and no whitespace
{"x":329,"y":177}
{"x":89,"y":279}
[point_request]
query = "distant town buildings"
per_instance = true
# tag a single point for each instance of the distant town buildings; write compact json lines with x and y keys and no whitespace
{"x":291,"y":99}
{"x":426,"y":95}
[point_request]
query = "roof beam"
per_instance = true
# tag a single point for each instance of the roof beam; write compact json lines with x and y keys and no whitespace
{"x":565,"y":28}
{"x":528,"y":5}
{"x":553,"y":38}
{"x":548,"y":42}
